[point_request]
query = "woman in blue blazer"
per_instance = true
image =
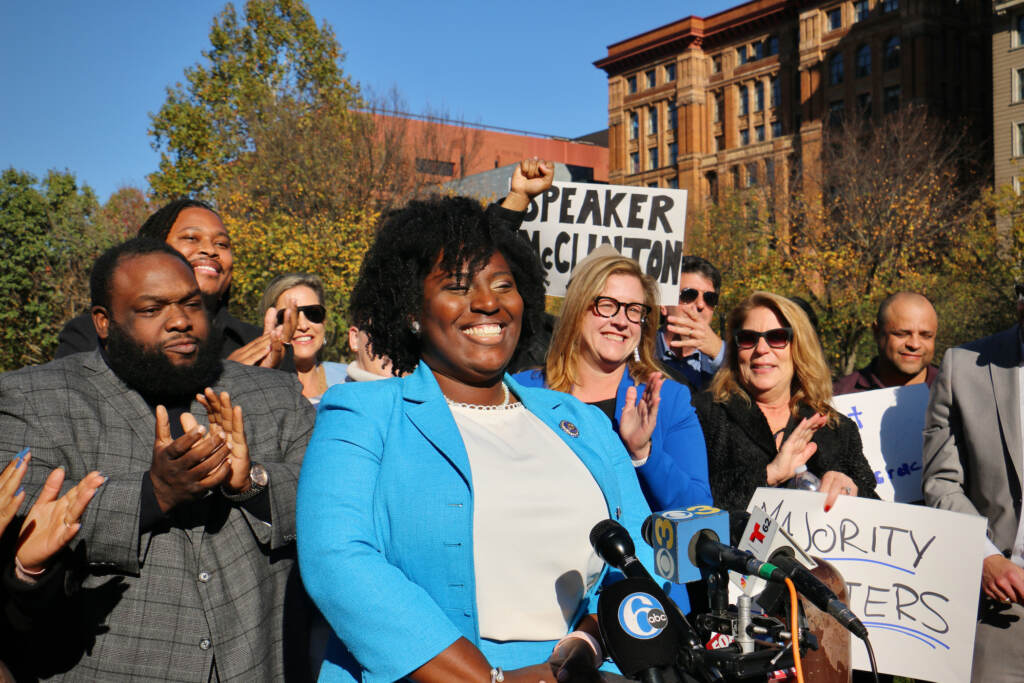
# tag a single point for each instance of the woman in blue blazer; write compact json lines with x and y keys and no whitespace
{"x":399,"y":473}
{"x":602,"y":352}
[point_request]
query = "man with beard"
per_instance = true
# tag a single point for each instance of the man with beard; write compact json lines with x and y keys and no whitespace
{"x":187,"y":551}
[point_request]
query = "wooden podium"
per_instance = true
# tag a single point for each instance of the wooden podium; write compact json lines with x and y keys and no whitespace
{"x":831,"y":662}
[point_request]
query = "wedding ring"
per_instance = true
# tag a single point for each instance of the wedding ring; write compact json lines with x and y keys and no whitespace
{"x":847,"y":490}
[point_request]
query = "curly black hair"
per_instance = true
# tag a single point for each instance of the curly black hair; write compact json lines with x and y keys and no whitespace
{"x":409,"y":242}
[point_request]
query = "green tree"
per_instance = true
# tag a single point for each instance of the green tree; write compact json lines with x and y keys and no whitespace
{"x":273,"y":59}
{"x":49,"y":239}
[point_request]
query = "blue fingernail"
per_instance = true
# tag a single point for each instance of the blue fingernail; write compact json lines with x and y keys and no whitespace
{"x":21,"y":455}
{"x":21,"y":490}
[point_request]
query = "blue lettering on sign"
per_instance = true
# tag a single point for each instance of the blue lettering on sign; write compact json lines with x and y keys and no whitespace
{"x":642,"y":616}
{"x":905,"y":469}
{"x":854,"y":415}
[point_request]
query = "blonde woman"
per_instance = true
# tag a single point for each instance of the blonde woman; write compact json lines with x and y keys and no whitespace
{"x":766,"y":411}
{"x":602,"y":352}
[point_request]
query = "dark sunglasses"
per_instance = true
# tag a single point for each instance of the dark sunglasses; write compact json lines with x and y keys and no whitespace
{"x":314,"y":314}
{"x":687,"y":295}
{"x":608,"y":307}
{"x":777,"y":338}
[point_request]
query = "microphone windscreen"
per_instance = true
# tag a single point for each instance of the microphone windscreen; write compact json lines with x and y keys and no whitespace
{"x":672,"y":532}
{"x":638,"y":634}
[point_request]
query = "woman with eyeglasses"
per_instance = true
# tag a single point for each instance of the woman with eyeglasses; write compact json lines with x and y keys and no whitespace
{"x":304,"y":294}
{"x":602,"y":352}
{"x":766,"y":411}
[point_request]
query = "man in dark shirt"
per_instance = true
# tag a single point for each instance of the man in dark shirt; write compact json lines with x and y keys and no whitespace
{"x":187,"y":552}
{"x":195,"y":230}
{"x":905,"y":330}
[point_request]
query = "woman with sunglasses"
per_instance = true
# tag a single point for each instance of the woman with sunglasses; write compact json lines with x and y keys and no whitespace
{"x":304,"y":294}
{"x":766,"y":411}
{"x":602,"y":352}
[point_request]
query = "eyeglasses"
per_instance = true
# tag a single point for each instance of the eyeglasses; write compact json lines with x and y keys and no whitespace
{"x":777,"y":338}
{"x":687,"y":295}
{"x":607,"y":307}
{"x":314,"y":314}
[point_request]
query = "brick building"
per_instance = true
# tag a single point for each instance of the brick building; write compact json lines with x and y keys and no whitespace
{"x":740,"y":98}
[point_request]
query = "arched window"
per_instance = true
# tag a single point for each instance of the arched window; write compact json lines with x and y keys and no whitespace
{"x":863,"y":61}
{"x":835,"y":69}
{"x":891,"y":58}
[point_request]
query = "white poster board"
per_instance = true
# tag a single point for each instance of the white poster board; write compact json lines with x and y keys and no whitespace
{"x":646,"y":224}
{"x":891,"y":424}
{"x":913,"y":574}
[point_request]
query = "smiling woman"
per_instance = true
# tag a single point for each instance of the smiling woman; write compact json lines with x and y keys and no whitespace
{"x":443,"y":518}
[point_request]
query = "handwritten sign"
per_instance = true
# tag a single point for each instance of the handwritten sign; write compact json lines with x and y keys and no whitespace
{"x":913,"y":574}
{"x":891,"y":422}
{"x":570,"y":220}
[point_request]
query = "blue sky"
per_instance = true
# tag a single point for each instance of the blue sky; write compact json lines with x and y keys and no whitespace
{"x":80,"y":79}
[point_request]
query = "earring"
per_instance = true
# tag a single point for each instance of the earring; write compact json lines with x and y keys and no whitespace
{"x":636,"y":354}
{"x":415,"y":327}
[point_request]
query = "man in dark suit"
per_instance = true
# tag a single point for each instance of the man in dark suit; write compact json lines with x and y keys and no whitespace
{"x":187,"y":552}
{"x":973,"y":464}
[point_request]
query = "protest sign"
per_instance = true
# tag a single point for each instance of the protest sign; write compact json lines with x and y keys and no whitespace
{"x":912,"y":573}
{"x":570,"y":220}
{"x":891,"y":423}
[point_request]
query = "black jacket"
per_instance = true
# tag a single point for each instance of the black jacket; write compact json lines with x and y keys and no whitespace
{"x":740,"y":446}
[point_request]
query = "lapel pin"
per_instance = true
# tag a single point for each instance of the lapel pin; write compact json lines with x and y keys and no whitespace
{"x":569,"y":428}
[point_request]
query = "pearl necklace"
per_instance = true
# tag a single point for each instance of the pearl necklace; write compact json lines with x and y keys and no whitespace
{"x":476,"y":406}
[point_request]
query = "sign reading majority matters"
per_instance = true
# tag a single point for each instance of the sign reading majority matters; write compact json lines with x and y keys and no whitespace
{"x":891,"y":423}
{"x":570,"y":220}
{"x":912,"y":575}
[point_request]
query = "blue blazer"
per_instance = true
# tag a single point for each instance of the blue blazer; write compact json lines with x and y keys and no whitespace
{"x":385,"y":522}
{"x":675,"y":475}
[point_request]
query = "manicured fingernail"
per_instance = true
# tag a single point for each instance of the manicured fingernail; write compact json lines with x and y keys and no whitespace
{"x":21,"y":490}
{"x":827,"y":508}
{"x":21,"y":455}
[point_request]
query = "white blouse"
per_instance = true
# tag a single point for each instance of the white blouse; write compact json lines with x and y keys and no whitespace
{"x":534,"y":504}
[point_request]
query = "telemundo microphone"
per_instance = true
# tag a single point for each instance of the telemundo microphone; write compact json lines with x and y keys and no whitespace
{"x":686,"y":541}
{"x":763,"y":536}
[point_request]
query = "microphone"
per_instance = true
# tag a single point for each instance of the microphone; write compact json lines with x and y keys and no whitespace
{"x":703,"y":526}
{"x":820,"y":595}
{"x":638,"y":634}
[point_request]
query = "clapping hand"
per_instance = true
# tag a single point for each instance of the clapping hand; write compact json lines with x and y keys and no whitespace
{"x":185,"y":468}
{"x":11,"y":492}
{"x":638,"y":418}
{"x":228,"y":419}
{"x":267,"y":350}
{"x":796,"y":450}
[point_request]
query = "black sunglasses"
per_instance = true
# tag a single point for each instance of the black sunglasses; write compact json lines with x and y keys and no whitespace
{"x":314,"y":314}
{"x":608,"y":307}
{"x":687,"y":295}
{"x":777,"y":338}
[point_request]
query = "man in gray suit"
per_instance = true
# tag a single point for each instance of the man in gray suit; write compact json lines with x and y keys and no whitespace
{"x":187,"y":551}
{"x":972,"y":464}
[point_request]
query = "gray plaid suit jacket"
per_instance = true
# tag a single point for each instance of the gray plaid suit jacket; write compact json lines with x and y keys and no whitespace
{"x":209,"y":586}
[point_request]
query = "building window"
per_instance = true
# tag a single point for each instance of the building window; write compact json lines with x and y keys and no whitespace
{"x":860,"y":10}
{"x":735,"y":171}
{"x":741,"y":55}
{"x":835,"y":112}
{"x":773,"y":46}
{"x":631,"y":84}
{"x":752,"y":174}
{"x":670,"y":73}
{"x":744,"y":100}
{"x":716,"y":64}
{"x":673,"y":116}
{"x":1018,"y":34}
{"x":863,"y":61}
{"x":652,"y":158}
{"x":1017,"y":89}
{"x":745,"y":137}
{"x":834,"y":17}
{"x":769,"y":171}
{"x":634,"y":125}
{"x":712,"y":180}
{"x":652,"y":120}
{"x":719,"y":143}
{"x":776,"y":93}
{"x":653,"y":183}
{"x":1016,"y":185}
{"x":673,"y":153}
{"x":650,"y":78}
{"x":776,"y":129}
{"x":759,"y":133}
{"x":759,"y":50}
{"x":891,"y":99}
{"x":634,"y":162}
{"x":891,"y":56}
{"x":716,"y":107}
{"x":435,"y":167}
{"x":673,"y":183}
{"x":1018,"y":139}
{"x":759,"y":96}
{"x":864,"y":105}
{"x":890,"y":5}
{"x":835,"y":69}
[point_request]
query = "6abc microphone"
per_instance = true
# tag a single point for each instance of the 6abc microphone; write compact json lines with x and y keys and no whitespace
{"x":652,"y":641}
